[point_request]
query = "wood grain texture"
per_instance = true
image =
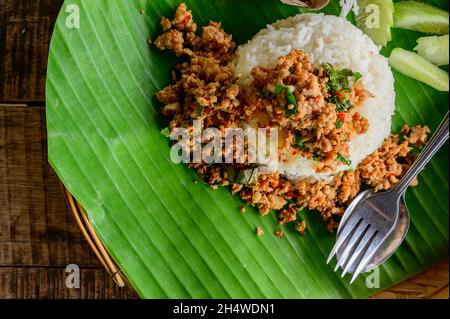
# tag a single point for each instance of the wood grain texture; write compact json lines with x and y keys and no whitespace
{"x":50,"y":283}
{"x":442,"y":294}
{"x":37,"y":230}
{"x":25,"y":31}
{"x":432,"y":283}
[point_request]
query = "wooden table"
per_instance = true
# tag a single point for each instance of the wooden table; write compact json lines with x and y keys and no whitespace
{"x":38,"y":235}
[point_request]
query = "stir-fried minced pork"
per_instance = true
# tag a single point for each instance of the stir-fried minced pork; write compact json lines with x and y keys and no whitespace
{"x":315,"y":109}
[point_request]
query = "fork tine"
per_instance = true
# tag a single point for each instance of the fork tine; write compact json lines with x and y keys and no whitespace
{"x":349,"y":228}
{"x":366,"y":259}
{"x":368,"y":238}
{"x":358,"y":235}
{"x":344,"y":252}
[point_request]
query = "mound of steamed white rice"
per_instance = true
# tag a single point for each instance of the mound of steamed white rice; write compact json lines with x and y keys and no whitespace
{"x":334,"y":40}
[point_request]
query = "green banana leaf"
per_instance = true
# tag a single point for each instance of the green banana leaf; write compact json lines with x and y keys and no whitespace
{"x":174,"y":238}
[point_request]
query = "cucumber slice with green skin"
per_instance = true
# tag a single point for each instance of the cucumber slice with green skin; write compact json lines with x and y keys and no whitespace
{"x":376,"y":18}
{"x":435,"y":49}
{"x":420,"y":17}
{"x":417,"y":67}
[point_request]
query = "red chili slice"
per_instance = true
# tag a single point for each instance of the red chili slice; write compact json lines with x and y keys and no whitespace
{"x":185,"y":22}
{"x":292,"y":195}
{"x":341,"y":116}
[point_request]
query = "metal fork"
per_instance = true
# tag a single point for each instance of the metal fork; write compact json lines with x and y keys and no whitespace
{"x":369,"y":231}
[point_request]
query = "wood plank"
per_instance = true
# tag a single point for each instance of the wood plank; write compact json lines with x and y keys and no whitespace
{"x":443,"y":294}
{"x":25,"y":33}
{"x":38,"y":234}
{"x":429,"y":284}
{"x":50,"y":283}
{"x":36,"y":226}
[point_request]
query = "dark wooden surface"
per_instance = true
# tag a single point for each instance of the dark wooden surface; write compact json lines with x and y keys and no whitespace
{"x":38,"y":235}
{"x":26,"y":27}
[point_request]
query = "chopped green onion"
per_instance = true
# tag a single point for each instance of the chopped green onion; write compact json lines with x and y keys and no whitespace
{"x":340,"y":79}
{"x":291,"y":98}
{"x":343,"y":106}
{"x":339,"y":123}
{"x":300,"y":142}
{"x":301,"y":145}
{"x":278,"y":89}
{"x":344,"y":160}
{"x":289,"y":112}
{"x":165,"y":132}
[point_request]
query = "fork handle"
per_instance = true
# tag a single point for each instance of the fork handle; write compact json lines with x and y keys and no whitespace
{"x":436,"y":142}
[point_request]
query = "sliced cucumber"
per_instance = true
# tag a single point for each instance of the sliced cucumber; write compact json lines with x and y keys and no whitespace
{"x":422,"y":17}
{"x":435,"y":49}
{"x":376,"y":18}
{"x":417,"y":67}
